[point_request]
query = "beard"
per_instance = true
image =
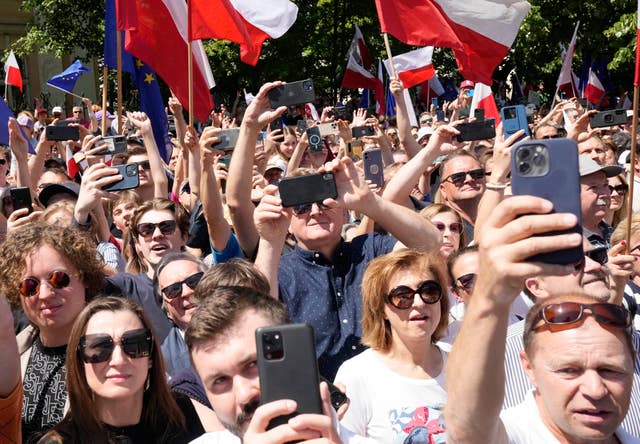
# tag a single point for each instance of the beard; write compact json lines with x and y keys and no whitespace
{"x":242,"y":420}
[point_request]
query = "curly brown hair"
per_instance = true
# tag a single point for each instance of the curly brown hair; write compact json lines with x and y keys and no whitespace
{"x":75,"y":246}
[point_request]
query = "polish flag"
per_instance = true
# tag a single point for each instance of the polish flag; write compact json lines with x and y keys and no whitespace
{"x":12,"y":74}
{"x":381,"y":105}
{"x":414,"y":67}
{"x":480,"y":32}
{"x":357,"y":75}
{"x":565,"y":79}
{"x":483,"y":99}
{"x":156,"y":33}
{"x":247,"y":22}
{"x":431,"y":89}
{"x":594,"y":92}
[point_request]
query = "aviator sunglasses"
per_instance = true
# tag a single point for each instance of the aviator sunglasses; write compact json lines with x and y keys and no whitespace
{"x":175,"y":290}
{"x":568,"y":313}
{"x":57,"y":279}
{"x":458,"y":178}
{"x":96,"y":348}
{"x":402,"y":296}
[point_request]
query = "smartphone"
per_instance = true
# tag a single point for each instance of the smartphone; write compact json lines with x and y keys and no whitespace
{"x":584,"y":102}
{"x":608,"y":118}
{"x":288,"y":368}
{"x":130,"y":178}
{"x":328,"y":128}
{"x":338,"y":398}
{"x":228,"y":139}
{"x":340,"y":111}
{"x":479,"y":130}
{"x":21,"y":198}
{"x":66,"y":122}
{"x":293,"y":93}
{"x":440,"y":115}
{"x":548,"y":168}
{"x":56,"y":133}
{"x":478,"y":113}
{"x":113,"y":145}
{"x":315,"y":140}
{"x":362,"y":131}
{"x":307,"y":189}
{"x":302,"y":125}
{"x":514,"y":119}
{"x":434,"y":102}
{"x":373,"y":166}
{"x":355,"y":150}
{"x":277,"y":123}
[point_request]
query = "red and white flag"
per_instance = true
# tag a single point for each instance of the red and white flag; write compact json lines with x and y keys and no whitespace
{"x":413,"y":67}
{"x":566,"y":78}
{"x":247,"y":22}
{"x":483,"y":99}
{"x":357,"y":75}
{"x":12,"y":74}
{"x":594,"y":92}
{"x":381,"y":100}
{"x":480,"y":32}
{"x":431,"y":89}
{"x":156,"y":33}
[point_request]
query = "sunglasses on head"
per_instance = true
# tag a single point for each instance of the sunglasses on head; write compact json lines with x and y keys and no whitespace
{"x":167,"y":227}
{"x":620,"y":189}
{"x":402,"y":296}
{"x":567,"y":313}
{"x":305,"y":208}
{"x":175,"y":290}
{"x":96,"y":348}
{"x":458,"y":178}
{"x":466,"y":281}
{"x":57,"y":279}
{"x":145,"y":165}
{"x":454,"y":227}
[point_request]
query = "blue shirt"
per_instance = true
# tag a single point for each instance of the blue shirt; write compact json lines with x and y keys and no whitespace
{"x":325,"y":293}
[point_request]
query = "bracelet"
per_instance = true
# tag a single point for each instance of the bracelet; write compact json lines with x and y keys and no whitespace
{"x":495,"y":186}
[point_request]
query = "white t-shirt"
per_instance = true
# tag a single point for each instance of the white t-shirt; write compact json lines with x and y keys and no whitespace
{"x":524,"y":425}
{"x":388,"y":407}
{"x":219,"y":437}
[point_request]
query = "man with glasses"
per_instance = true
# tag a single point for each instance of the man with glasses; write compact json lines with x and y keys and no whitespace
{"x":578,"y":352}
{"x":546,"y":131}
{"x":462,"y":185}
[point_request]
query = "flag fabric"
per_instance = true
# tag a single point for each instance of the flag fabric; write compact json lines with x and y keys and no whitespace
{"x":407,"y":101}
{"x":12,"y":74}
{"x":72,"y":165}
{"x":413,"y":67}
{"x":364,"y":100}
{"x":390,"y":108}
{"x":565,"y":79}
{"x":144,"y":21}
{"x":431,"y":89}
{"x":67,"y":79}
{"x":5,"y":115}
{"x":516,"y":94}
{"x":310,"y":110}
{"x":152,"y":105}
{"x":380,"y":97}
{"x":483,"y":99}
{"x":248,"y":97}
{"x":636,"y":78}
{"x":480,"y":32}
{"x":356,"y":75}
{"x":246,"y":22}
{"x":594,"y":92}
{"x":110,"y":41}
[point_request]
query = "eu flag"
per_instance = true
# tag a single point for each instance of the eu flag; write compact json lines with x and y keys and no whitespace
{"x":390,"y":104}
{"x":5,"y":115}
{"x":66,"y":80}
{"x":110,"y":41}
{"x":152,"y":104}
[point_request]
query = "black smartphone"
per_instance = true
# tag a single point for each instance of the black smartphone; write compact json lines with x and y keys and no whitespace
{"x":130,"y":178}
{"x":58,"y":133}
{"x":338,"y":397}
{"x":112,"y":145}
{"x":362,"y":131}
{"x":315,"y":140}
{"x":479,"y":130}
{"x":584,"y":102}
{"x":373,"y":166}
{"x":288,"y":368}
{"x":548,"y":168}
{"x":66,"y":122}
{"x":307,"y":189}
{"x":340,"y":111}
{"x":21,"y":198}
{"x":228,"y":139}
{"x":440,"y":115}
{"x":302,"y":125}
{"x":611,"y":117}
{"x":478,"y":113}
{"x":293,"y":93}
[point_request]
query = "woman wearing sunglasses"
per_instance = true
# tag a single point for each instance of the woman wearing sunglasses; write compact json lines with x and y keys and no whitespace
{"x":617,"y":211}
{"x":449,"y":223}
{"x":396,"y":388}
{"x":116,"y":379}
{"x":51,"y":272}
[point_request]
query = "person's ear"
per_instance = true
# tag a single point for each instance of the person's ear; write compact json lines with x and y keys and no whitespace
{"x":525,"y":361}
{"x":536,"y":287}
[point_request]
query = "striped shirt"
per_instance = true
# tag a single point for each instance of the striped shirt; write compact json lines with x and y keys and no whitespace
{"x":517,"y":384}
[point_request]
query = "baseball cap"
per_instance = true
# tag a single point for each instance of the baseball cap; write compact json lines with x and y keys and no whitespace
{"x":99,"y":115}
{"x":589,"y":166}
{"x":276,"y":162}
{"x":24,"y":120}
{"x":424,"y":131}
{"x":467,"y":84}
{"x":56,"y":110}
{"x":41,"y":110}
{"x":69,"y":188}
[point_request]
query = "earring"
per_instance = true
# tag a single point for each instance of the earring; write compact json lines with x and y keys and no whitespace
{"x":147,"y":382}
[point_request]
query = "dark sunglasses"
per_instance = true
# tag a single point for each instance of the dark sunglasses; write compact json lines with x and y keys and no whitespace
{"x":600,"y":255}
{"x":458,"y":178}
{"x":567,"y":313}
{"x":145,"y":165}
{"x":454,"y":227}
{"x":620,"y":189}
{"x":466,"y":281}
{"x":3,"y":161}
{"x":305,"y":208}
{"x":58,"y":279}
{"x":175,"y":290}
{"x":98,"y":347}
{"x":402,"y":296}
{"x":167,"y":227}
{"x":555,"y":136}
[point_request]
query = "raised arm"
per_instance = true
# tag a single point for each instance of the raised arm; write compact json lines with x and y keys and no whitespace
{"x":160,"y":182}
{"x":93,"y":122}
{"x":20,"y":150}
{"x":410,"y":144}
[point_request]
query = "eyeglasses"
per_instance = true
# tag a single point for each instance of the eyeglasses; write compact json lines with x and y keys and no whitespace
{"x":620,"y":189}
{"x":97,"y":348}
{"x":167,"y":227}
{"x":600,"y":255}
{"x":466,"y":282}
{"x":458,"y":178}
{"x":305,"y":208}
{"x":145,"y":165}
{"x":175,"y":290}
{"x":567,"y":313}
{"x":57,"y":279}
{"x":402,"y":296}
{"x":553,"y":136}
{"x":454,"y":227}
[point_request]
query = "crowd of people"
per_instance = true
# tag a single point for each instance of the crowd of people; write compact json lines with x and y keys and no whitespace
{"x":134,"y":312}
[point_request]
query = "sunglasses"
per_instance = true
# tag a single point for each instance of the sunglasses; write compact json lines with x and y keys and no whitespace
{"x":458,"y":178}
{"x":555,"y":136}
{"x":57,"y":279}
{"x":620,"y":189}
{"x":598,"y":254}
{"x":402,"y":296}
{"x":167,"y":227}
{"x":145,"y":165}
{"x":567,"y":313}
{"x":3,"y":161}
{"x":305,"y":208}
{"x":175,"y":290}
{"x":97,"y":348}
{"x":454,"y":227}
{"x":466,"y":282}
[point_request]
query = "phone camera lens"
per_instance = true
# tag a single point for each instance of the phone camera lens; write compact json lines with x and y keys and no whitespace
{"x":524,"y":167}
{"x":524,"y":153}
{"x":608,"y":118}
{"x":307,"y":85}
{"x":538,"y":159}
{"x":131,"y":170}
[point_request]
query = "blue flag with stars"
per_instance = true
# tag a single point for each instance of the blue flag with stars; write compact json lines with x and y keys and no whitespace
{"x":152,"y":104}
{"x":66,"y":80}
{"x":110,"y":41}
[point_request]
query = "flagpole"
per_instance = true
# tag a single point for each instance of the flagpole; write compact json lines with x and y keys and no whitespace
{"x":105,"y":76}
{"x":190,"y":63}
{"x":632,"y":162}
{"x":388,"y":46}
{"x":119,"y":78}
{"x":65,"y":91}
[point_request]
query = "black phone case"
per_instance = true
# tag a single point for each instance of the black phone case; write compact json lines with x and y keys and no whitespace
{"x":62,"y":133}
{"x":307,"y":189}
{"x":561,"y":186}
{"x":292,"y":376}
{"x":362,"y":131}
{"x":373,"y":166}
{"x":130,"y":178}
{"x":21,"y":198}
{"x":480,"y":130}
{"x":293,"y":93}
{"x":608,"y":118}
{"x":315,"y":139}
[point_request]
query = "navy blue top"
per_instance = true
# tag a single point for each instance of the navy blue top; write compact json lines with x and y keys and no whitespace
{"x":325,"y":293}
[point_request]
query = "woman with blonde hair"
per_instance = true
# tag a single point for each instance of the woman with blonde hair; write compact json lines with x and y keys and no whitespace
{"x":449,"y":222}
{"x":619,"y":200}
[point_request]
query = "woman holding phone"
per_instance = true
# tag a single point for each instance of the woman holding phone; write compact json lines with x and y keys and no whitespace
{"x":396,"y":388}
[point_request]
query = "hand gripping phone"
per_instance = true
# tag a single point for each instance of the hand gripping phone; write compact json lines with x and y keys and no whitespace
{"x":293,"y":93}
{"x":514,"y":119}
{"x":307,"y":189}
{"x":130,"y":178}
{"x":373,"y":166}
